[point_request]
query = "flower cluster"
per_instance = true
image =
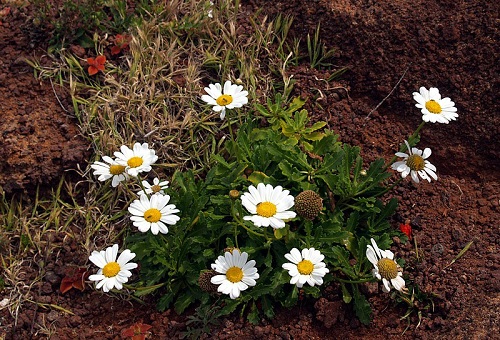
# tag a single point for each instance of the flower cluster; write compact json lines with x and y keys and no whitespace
{"x":236,"y":274}
{"x":260,"y":208}
{"x":128,"y":162}
{"x":435,"y":110}
{"x":151,"y":211}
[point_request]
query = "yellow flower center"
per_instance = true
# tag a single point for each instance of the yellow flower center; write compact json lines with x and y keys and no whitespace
{"x":387,"y":268}
{"x":116,"y":169}
{"x":305,"y":267}
{"x":152,"y":215}
{"x":234,"y":274}
{"x":111,"y":269}
{"x":224,"y":100}
{"x":433,"y":106}
{"x":266,"y":209}
{"x":415,"y":162}
{"x":134,"y":162}
{"x":155,"y":188}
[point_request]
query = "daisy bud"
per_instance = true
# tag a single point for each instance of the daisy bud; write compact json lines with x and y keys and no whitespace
{"x":234,"y":194}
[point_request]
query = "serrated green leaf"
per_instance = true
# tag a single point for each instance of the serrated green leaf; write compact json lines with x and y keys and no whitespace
{"x":183,"y":301}
{"x":327,"y":145}
{"x":292,"y":298}
{"x":253,"y":315}
{"x":361,"y":307}
{"x":141,"y":291}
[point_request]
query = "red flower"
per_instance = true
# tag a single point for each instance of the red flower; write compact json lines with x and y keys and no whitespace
{"x":137,"y":331}
{"x":74,"y":279}
{"x":96,"y":65}
{"x":121,"y":43}
{"x":406,"y":229}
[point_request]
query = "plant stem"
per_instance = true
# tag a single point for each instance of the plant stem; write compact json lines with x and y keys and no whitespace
{"x":353,"y":281}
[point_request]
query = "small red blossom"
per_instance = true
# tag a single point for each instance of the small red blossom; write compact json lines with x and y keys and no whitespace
{"x":137,"y":331}
{"x":74,"y":279}
{"x":406,"y":229}
{"x":96,"y":65}
{"x":121,"y":43}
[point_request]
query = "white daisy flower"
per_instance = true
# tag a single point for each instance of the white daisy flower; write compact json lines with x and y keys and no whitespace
{"x":268,"y":205}
{"x":157,"y":188}
{"x":153,"y":213}
{"x":210,"y":12}
{"x":230,"y":97}
{"x":415,"y":163}
{"x":237,"y":273}
{"x":110,"y":169}
{"x":434,"y":108}
{"x":112,"y":273}
{"x":139,"y":159}
{"x":305,"y":267}
{"x":385,"y":268}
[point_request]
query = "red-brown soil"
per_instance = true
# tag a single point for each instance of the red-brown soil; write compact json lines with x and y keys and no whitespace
{"x":449,"y":44}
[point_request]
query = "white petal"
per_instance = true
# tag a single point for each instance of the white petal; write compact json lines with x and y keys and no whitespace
{"x":371,"y":255}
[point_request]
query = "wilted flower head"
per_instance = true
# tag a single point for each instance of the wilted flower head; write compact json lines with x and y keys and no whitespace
{"x":385,"y":268}
{"x":157,"y":188}
{"x":415,"y":163}
{"x":109,"y":169}
{"x":435,"y":109}
{"x":232,"y":96}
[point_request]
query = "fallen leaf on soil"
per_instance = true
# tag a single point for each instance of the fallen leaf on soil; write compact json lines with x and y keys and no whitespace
{"x":137,"y":331}
{"x":76,"y":279}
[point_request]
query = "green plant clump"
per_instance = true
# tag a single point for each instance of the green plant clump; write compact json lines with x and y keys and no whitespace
{"x":212,"y":219}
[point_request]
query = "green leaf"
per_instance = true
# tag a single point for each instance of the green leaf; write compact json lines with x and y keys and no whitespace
{"x":346,"y":296}
{"x":253,"y":316}
{"x":361,"y":306}
{"x":327,"y":145}
{"x":292,"y":298}
{"x":317,"y":126}
{"x":296,"y":104}
{"x":183,"y":301}
{"x":257,"y":177}
{"x":280,"y":233}
{"x":267,"y":306}
{"x":314,"y":135}
{"x":141,"y":291}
